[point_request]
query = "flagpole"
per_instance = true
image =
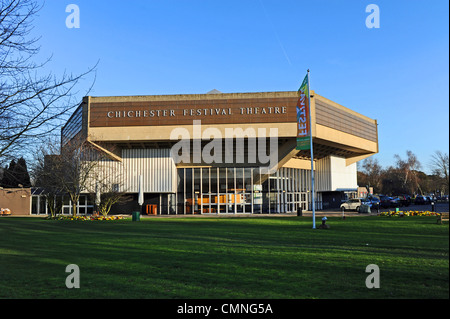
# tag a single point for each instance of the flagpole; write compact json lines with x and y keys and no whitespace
{"x":313,"y":203}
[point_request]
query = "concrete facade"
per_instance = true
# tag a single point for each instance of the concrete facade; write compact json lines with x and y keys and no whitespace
{"x":137,"y":135}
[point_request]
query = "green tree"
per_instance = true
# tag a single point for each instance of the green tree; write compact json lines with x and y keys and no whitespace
{"x":16,"y":175}
{"x":8,"y":176}
{"x":21,"y":173}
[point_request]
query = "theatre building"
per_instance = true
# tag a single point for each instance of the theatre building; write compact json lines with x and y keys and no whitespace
{"x":221,"y":153}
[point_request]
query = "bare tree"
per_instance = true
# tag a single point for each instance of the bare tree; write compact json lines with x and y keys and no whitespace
{"x":69,"y":171}
{"x":372,"y":170}
{"x":45,"y":165}
{"x":407,"y":170}
{"x":79,"y":168}
{"x":32,"y":105}
{"x":440,"y":167}
{"x":110,"y":195}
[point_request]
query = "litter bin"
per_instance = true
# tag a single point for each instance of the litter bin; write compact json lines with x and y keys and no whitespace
{"x":136,"y":216}
{"x":299,"y":211}
{"x":364,"y":209}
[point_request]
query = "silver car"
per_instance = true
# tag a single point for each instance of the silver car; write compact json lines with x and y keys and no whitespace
{"x":355,"y":204}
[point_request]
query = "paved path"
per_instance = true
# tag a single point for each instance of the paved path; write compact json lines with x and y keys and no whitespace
{"x":439,"y":208}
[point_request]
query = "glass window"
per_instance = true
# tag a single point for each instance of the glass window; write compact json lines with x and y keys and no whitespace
{"x":248,"y":172}
{"x":231,"y":189}
{"x":213,"y":180}
{"x":196,"y":176}
{"x":189,"y":190}
{"x":66,"y":200}
{"x":34,"y":203}
{"x":205,"y":180}
{"x":205,"y":196}
{"x":240,"y":179}
{"x":230,"y":180}
{"x":222,"y":197}
{"x":42,"y":204}
{"x":181,"y":199}
{"x":197,"y":185}
{"x":248,"y":189}
{"x":222,"y":180}
{"x":73,"y":126}
{"x":213,"y":189}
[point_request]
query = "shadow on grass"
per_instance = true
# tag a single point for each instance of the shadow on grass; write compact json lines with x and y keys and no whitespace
{"x":224,"y":258}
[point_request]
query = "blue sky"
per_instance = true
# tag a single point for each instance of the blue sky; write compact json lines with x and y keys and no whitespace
{"x":397,"y":74}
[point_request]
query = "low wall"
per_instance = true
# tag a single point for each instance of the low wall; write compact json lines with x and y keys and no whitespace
{"x":18,"y":200}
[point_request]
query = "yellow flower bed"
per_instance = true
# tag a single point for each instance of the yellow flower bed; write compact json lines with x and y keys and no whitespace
{"x":409,"y":213}
{"x":86,"y":218}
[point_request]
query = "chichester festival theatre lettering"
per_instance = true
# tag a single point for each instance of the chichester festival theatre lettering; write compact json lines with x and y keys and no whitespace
{"x":197,"y":112}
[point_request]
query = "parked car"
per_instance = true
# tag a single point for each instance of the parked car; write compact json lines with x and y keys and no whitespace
{"x":428,"y":200}
{"x":375,"y":201}
{"x":355,"y":204}
{"x":404,"y":200}
{"x":419,"y":200}
{"x":394,"y":202}
{"x":385,"y":201}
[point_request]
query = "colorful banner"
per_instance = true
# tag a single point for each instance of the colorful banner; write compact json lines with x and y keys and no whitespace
{"x":303,"y":117}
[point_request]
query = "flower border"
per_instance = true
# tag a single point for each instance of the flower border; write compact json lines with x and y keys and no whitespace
{"x":409,"y":213}
{"x":86,"y":218}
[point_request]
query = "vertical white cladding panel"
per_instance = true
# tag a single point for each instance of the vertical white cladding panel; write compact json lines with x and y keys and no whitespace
{"x":333,"y":174}
{"x":105,"y":174}
{"x":323,"y":173}
{"x":155,"y":165}
{"x":343,"y":176}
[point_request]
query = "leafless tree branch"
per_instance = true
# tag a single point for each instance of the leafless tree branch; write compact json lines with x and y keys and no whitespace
{"x":32,"y":105}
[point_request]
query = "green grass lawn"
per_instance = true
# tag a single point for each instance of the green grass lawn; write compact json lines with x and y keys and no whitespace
{"x":224,"y":258}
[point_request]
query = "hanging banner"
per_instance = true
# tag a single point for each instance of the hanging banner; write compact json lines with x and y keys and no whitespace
{"x":303,"y":117}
